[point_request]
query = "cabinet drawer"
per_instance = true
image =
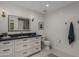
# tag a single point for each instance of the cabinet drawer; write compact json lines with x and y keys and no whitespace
{"x":35,"y":49}
{"x":25,"y":40}
{"x":31,"y":44}
{"x":11,"y":55}
{"x":22,"y":47}
{"x":6,"y":43}
{"x":23,"y":53}
{"x":18,"y":47}
{"x":18,"y":41}
{"x":38,"y":38}
{"x":28,"y":40}
{"x":31,"y":41}
{"x":6,"y":51}
{"x":21,"y":41}
{"x":37,"y":42}
{"x":34,"y":43}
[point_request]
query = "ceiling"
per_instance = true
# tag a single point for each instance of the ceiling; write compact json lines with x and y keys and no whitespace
{"x":40,"y":6}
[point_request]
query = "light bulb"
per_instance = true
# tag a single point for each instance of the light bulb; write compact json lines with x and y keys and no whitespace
{"x":3,"y":10}
{"x":47,"y":5}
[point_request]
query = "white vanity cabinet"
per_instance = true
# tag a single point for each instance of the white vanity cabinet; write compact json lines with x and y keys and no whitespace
{"x":20,"y":47}
{"x":27,"y":46}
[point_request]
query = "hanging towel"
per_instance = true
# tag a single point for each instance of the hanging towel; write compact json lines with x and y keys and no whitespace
{"x":71,"y":36}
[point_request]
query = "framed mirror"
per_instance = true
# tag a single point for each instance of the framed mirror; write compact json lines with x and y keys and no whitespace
{"x":16,"y":23}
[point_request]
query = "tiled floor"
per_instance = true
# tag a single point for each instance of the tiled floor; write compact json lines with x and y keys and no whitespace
{"x":45,"y":53}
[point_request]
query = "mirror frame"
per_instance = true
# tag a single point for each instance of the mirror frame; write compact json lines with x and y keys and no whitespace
{"x":18,"y":29}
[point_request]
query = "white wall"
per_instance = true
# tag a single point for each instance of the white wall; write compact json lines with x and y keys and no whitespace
{"x":57,"y":31}
{"x":19,"y":11}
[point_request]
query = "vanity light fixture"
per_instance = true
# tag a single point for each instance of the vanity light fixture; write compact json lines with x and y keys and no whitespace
{"x":3,"y":13}
{"x":47,"y":5}
{"x":32,"y":19}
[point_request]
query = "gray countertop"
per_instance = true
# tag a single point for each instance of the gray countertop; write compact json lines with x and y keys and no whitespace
{"x":20,"y":37}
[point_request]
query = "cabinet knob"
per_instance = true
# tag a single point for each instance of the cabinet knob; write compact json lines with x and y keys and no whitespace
{"x":36,"y":37}
{"x":6,"y":42}
{"x":25,"y":40}
{"x":37,"y":42}
{"x":37,"y":48}
{"x":24,"y":52}
{"x":24,"y":45}
{"x":6,"y":50}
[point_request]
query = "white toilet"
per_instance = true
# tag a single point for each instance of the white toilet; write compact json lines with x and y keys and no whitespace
{"x":47,"y":44}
